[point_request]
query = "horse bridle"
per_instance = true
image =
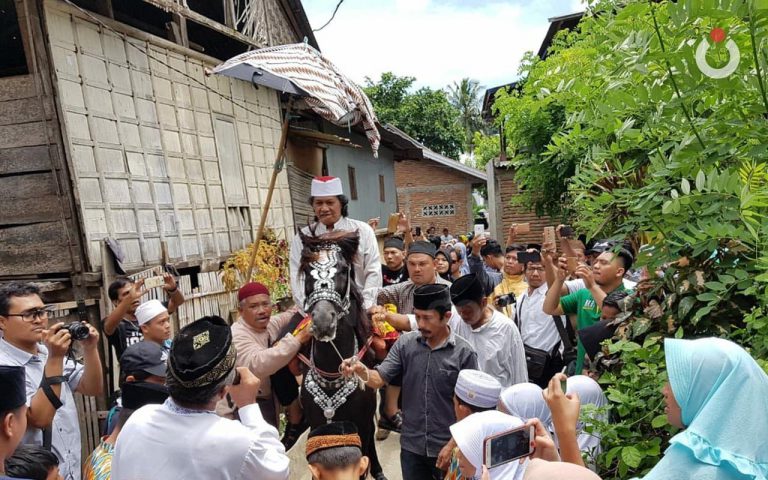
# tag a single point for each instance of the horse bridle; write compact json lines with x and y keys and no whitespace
{"x":323,"y":270}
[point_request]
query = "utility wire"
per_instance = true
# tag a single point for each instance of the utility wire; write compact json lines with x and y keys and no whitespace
{"x":332,"y":16}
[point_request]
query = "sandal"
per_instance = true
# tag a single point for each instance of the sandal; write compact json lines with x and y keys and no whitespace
{"x":292,"y":433}
{"x":393,"y":423}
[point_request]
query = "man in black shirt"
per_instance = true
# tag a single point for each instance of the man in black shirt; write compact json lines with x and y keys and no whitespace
{"x":394,"y":271}
{"x":120,"y":326}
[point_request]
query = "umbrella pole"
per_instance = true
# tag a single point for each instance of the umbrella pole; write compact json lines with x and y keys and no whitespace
{"x":278,"y":165}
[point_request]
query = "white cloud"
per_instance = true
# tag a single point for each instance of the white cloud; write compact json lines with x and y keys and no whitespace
{"x":436,"y":41}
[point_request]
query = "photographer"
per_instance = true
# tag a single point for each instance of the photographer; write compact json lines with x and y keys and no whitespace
{"x":51,"y":374}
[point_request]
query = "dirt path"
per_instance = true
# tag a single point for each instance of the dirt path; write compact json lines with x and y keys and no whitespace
{"x":389,"y":455}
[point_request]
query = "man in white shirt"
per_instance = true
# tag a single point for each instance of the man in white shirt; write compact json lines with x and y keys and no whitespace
{"x":330,"y":206}
{"x":536,"y":327}
{"x":51,"y":376}
{"x":184,"y":438}
{"x":494,"y":336}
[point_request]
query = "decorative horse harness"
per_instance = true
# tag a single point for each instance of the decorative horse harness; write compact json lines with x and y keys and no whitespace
{"x":323,"y":270}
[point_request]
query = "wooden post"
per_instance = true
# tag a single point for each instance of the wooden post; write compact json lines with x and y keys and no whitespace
{"x":275,"y":170}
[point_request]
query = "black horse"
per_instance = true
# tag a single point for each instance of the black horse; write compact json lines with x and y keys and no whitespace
{"x":341,"y":330}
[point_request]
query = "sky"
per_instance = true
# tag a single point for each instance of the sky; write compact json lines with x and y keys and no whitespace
{"x":436,"y":41}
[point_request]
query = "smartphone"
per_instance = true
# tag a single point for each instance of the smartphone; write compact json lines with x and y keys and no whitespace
{"x":564,"y":383}
{"x":573,"y":264}
{"x":549,"y":235}
{"x":418,"y":231}
{"x":566,"y":231}
{"x":154,"y":282}
{"x":526,"y":257}
{"x":394,"y":218}
{"x":479,"y":229}
{"x":508,"y":446}
{"x":523,"y":228}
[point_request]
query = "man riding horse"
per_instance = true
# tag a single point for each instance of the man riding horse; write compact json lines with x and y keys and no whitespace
{"x":320,"y":254}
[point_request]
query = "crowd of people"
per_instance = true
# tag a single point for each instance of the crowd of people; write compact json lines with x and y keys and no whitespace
{"x":473,"y":340}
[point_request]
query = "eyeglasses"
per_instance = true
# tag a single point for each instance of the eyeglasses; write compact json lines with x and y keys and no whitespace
{"x":31,"y":315}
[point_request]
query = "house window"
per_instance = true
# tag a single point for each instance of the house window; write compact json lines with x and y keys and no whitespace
{"x":352,"y":183}
{"x":230,"y":163}
{"x":382,"y":195}
{"x":13,"y":61}
{"x":442,"y":210}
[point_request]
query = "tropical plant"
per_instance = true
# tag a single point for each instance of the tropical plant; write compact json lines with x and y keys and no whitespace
{"x":424,"y":114}
{"x":620,"y":127}
{"x":270,"y":268}
{"x":465,"y":96}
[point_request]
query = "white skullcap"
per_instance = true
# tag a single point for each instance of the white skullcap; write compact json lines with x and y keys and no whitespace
{"x":477,"y":389}
{"x":147,"y":311}
{"x":326,"y":187}
{"x":471,"y":433}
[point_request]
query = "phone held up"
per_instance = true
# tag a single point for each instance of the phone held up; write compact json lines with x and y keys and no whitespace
{"x":508,"y":446}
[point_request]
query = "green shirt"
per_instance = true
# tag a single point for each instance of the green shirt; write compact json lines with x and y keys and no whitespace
{"x":582,"y":303}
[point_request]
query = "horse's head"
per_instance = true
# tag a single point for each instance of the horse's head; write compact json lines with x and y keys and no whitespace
{"x":329,"y":288}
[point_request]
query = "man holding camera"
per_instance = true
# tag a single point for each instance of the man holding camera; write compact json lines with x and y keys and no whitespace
{"x":51,"y":374}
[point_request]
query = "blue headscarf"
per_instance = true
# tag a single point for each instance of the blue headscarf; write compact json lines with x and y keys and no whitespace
{"x":723,"y":396}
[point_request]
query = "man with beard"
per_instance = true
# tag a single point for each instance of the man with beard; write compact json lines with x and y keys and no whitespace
{"x":605,"y":277}
{"x":428,"y":362}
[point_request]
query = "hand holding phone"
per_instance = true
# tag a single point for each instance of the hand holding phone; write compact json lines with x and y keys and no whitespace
{"x":508,"y":446}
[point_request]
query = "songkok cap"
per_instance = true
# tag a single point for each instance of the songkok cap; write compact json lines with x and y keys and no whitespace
{"x":427,"y":248}
{"x":471,"y":432}
{"x":492,"y":247}
{"x":431,"y":297}
{"x":149,"y":310}
{"x":146,"y":357}
{"x":13,"y":386}
{"x":467,"y":289}
{"x":394,"y":242}
{"x":202,"y":353}
{"x":250,"y":289}
{"x":137,"y":394}
{"x":477,"y":388}
{"x":333,"y":435}
{"x":326,"y":187}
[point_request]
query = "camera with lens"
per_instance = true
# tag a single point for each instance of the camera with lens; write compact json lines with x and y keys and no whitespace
{"x":78,"y":331}
{"x":505,"y":300}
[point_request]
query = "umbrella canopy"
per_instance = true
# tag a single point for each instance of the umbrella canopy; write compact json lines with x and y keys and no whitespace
{"x":301,"y":70}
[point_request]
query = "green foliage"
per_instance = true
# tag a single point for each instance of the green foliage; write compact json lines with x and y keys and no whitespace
{"x":465,"y":96}
{"x":487,"y":148}
{"x":425,"y":114}
{"x":620,"y":125}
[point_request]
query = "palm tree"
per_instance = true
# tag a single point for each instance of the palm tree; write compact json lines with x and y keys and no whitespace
{"x":465,"y":96}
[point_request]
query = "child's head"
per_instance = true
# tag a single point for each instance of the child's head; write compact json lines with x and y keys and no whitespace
{"x":33,"y":462}
{"x":334,"y":452}
{"x":475,"y":391}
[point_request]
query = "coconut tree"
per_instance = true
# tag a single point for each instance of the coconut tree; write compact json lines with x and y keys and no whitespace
{"x":465,"y":96}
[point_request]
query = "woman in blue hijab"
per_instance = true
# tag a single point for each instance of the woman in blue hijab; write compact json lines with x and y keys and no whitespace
{"x":719,"y":395}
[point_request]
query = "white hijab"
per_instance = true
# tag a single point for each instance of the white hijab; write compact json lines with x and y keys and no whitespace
{"x":526,"y":401}
{"x":470,"y":433}
{"x":590,"y":393}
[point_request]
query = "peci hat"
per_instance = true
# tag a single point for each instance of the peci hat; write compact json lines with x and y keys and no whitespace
{"x":421,"y":246}
{"x":326,"y":187}
{"x":146,"y":357}
{"x":149,"y":310}
{"x":13,"y":386}
{"x":202,"y":353}
{"x":394,"y":242}
{"x":477,"y":388}
{"x":333,"y":435}
{"x":250,"y":289}
{"x":432,"y":296}
{"x":467,"y":289}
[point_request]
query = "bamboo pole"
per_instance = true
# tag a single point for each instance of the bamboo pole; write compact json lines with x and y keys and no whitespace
{"x":275,"y":170}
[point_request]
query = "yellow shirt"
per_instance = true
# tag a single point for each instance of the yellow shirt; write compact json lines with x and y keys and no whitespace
{"x":509,"y":284}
